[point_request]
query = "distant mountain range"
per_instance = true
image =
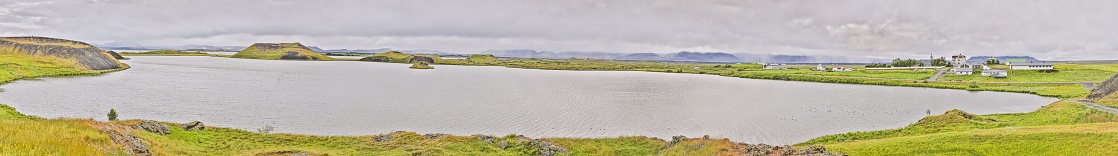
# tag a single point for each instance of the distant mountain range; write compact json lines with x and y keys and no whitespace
{"x":981,"y":59}
{"x":137,"y":46}
{"x":683,"y":56}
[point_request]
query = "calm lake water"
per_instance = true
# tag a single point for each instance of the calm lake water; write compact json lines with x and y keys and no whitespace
{"x":364,"y":98}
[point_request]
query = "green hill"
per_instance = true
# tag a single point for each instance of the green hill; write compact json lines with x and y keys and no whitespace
{"x":398,"y":57}
{"x":79,"y":54}
{"x":482,"y":57}
{"x":280,"y":51}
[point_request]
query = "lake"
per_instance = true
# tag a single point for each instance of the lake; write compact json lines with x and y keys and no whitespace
{"x":365,"y":98}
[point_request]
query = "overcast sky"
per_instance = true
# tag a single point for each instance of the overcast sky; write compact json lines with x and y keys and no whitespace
{"x":1080,"y":29}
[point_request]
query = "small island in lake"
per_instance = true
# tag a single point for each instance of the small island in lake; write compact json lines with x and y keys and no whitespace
{"x":421,"y":65}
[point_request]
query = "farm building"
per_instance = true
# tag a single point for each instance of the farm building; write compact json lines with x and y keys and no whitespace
{"x":962,"y":71}
{"x":841,"y":68}
{"x":1031,"y":66}
{"x":774,"y":66}
{"x":995,"y":73}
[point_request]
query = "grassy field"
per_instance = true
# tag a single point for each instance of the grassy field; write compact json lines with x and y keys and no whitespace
{"x":1067,"y":73}
{"x":1109,"y":100}
{"x":1081,"y":139}
{"x":14,"y":66}
{"x":27,"y":135}
{"x":164,"y":53}
{"x":957,"y":131}
{"x":24,"y":135}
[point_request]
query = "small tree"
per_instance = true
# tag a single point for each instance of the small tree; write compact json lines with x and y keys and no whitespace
{"x":112,"y":114}
{"x":992,"y":60}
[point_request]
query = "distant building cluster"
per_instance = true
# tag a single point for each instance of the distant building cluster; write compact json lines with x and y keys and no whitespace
{"x":774,"y":66}
{"x":958,"y":64}
{"x":961,"y":67}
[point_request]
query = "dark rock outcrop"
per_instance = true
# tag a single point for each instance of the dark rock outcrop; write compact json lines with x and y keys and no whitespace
{"x":154,"y":127}
{"x":424,"y":59}
{"x":196,"y":125}
{"x":294,"y":55}
{"x":503,"y":145}
{"x":486,"y":138}
{"x":434,"y":136}
{"x":387,"y":137}
{"x":766,"y":150}
{"x":87,"y":55}
{"x":546,"y":148}
{"x":116,"y":55}
{"x":1105,"y":88}
{"x":131,"y":143}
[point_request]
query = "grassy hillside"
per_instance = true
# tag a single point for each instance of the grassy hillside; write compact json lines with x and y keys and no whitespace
{"x":81,"y":53}
{"x":1080,"y":139}
{"x":957,"y":131}
{"x":27,"y":135}
{"x":280,"y":51}
{"x":164,"y":53}
{"x":24,"y":135}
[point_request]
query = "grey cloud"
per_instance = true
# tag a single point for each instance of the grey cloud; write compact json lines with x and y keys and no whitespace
{"x":880,"y":28}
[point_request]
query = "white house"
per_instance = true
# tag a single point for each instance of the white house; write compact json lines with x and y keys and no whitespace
{"x":995,"y":73}
{"x":962,"y":71}
{"x":821,"y":67}
{"x":841,"y":68}
{"x":1030,"y":66}
{"x":774,"y":66}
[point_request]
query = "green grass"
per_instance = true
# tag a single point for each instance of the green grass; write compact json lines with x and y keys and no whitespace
{"x":28,"y":135}
{"x":1059,"y":113}
{"x":164,"y":53}
{"x":1081,"y":139}
{"x":15,"y":65}
{"x":611,"y":146}
{"x":906,"y":78}
{"x":225,"y":141}
{"x":1109,"y":100}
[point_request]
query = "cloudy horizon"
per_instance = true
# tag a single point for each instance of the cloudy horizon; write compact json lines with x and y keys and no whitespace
{"x":1053,"y":30}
